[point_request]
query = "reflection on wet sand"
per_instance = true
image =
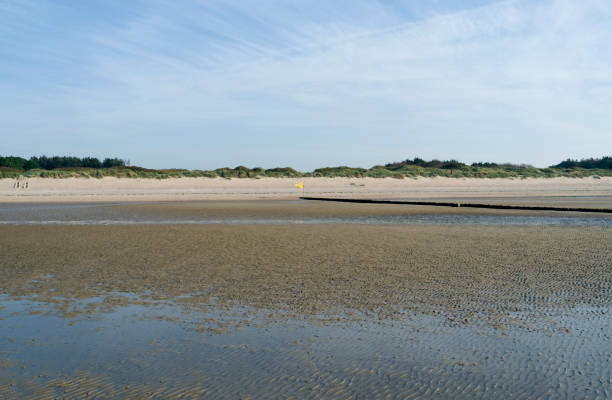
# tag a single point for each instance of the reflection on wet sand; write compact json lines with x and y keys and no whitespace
{"x":329,"y":311}
{"x":163,"y":351}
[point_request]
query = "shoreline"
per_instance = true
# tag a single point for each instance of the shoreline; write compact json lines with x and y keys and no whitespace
{"x":53,"y":190}
{"x":157,"y":302}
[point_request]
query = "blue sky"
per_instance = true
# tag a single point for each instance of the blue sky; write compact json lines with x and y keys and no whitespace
{"x":211,"y":83}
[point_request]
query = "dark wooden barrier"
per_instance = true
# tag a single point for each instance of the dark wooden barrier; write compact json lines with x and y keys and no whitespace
{"x":468,"y":205}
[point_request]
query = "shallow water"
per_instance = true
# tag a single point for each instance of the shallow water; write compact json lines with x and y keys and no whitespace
{"x":165,"y":350}
{"x":578,"y":201}
{"x":358,"y":307}
{"x":486,"y":220}
{"x":130,"y":214}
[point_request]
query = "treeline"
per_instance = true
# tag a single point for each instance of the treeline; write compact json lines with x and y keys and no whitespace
{"x":57,"y":162}
{"x":449,"y":164}
{"x":587,"y":163}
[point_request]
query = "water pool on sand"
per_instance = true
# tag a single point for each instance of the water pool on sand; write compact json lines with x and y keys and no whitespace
{"x":164,"y":350}
{"x":305,"y":310}
{"x":288,"y":212}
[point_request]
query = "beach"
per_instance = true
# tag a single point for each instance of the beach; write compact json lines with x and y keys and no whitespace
{"x":210,"y":298}
{"x":177,"y":189}
{"x":461,"y":272}
{"x":306,"y":200}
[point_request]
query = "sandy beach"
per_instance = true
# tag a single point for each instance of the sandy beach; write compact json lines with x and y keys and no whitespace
{"x":481,"y":273}
{"x":127,"y":189}
{"x":306,"y":200}
{"x":315,"y":299}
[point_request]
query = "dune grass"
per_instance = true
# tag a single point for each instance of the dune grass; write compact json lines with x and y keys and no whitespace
{"x":349,"y":172}
{"x":15,"y":167}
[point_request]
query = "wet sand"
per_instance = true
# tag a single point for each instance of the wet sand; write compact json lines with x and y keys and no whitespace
{"x":321,"y":310}
{"x":262,"y":210}
{"x":463,"y":272}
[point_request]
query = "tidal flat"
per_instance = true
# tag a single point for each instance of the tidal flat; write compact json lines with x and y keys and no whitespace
{"x":207,"y":299}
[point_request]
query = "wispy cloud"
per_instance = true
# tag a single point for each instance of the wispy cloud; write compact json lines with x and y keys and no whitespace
{"x":359,"y":82}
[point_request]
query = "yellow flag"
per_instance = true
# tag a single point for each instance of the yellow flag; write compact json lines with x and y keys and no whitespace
{"x":299,"y":185}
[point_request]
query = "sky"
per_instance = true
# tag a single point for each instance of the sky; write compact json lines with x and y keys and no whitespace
{"x":204,"y":84}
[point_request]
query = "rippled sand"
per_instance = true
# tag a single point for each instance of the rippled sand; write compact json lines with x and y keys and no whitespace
{"x":381,"y":270}
{"x":333,"y":310}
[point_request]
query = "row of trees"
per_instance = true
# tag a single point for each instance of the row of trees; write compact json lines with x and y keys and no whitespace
{"x":586,"y":163}
{"x":447,"y":164}
{"x":55,"y":162}
{"x":67,"y":162}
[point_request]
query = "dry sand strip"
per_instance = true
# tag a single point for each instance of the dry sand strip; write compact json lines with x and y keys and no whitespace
{"x":464,"y":205}
{"x":138,"y":189}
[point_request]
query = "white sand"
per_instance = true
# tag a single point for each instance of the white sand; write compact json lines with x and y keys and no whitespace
{"x":128,"y":189}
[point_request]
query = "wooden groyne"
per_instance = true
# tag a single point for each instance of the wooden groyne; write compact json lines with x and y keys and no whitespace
{"x":462,"y":205}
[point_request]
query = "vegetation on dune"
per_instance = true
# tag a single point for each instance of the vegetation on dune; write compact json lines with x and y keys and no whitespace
{"x":342,"y":171}
{"x":587,"y":163}
{"x":90,"y":167}
{"x":57,"y":162}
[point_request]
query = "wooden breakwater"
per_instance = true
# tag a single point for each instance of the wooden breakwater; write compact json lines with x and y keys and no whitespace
{"x":462,"y":205}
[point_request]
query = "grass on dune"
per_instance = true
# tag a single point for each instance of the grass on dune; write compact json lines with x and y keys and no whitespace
{"x":243,"y":172}
{"x":74,"y":167}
